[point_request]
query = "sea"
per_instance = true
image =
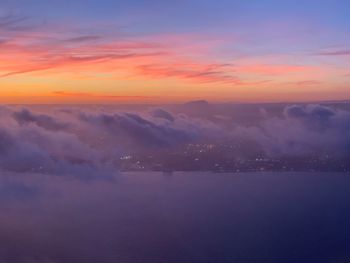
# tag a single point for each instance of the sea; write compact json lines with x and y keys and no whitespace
{"x":180,"y":217}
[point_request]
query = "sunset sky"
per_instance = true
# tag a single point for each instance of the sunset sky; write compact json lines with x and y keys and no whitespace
{"x":157,"y":51}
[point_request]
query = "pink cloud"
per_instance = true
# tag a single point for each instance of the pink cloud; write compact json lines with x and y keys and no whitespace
{"x":203,"y":73}
{"x":269,"y":69}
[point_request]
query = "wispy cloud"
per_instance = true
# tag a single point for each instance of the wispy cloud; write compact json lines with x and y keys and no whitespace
{"x":97,"y":96}
{"x":11,"y":22}
{"x":341,"y":52}
{"x":270,"y":69}
{"x":201,"y":59}
{"x":203,"y":73}
{"x":306,"y":83}
{"x":79,"y":39}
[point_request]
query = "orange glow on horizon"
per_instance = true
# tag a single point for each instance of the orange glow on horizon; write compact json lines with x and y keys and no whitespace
{"x":43,"y":68}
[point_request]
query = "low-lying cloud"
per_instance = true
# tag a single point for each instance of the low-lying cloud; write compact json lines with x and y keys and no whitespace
{"x":87,"y":142}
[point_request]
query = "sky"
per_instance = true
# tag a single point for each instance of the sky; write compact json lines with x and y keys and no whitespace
{"x":173,"y":51}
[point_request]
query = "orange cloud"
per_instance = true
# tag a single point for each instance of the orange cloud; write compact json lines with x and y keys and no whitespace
{"x":98,"y":96}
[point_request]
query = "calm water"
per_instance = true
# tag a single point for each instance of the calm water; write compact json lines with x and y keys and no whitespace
{"x":185,"y":217}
